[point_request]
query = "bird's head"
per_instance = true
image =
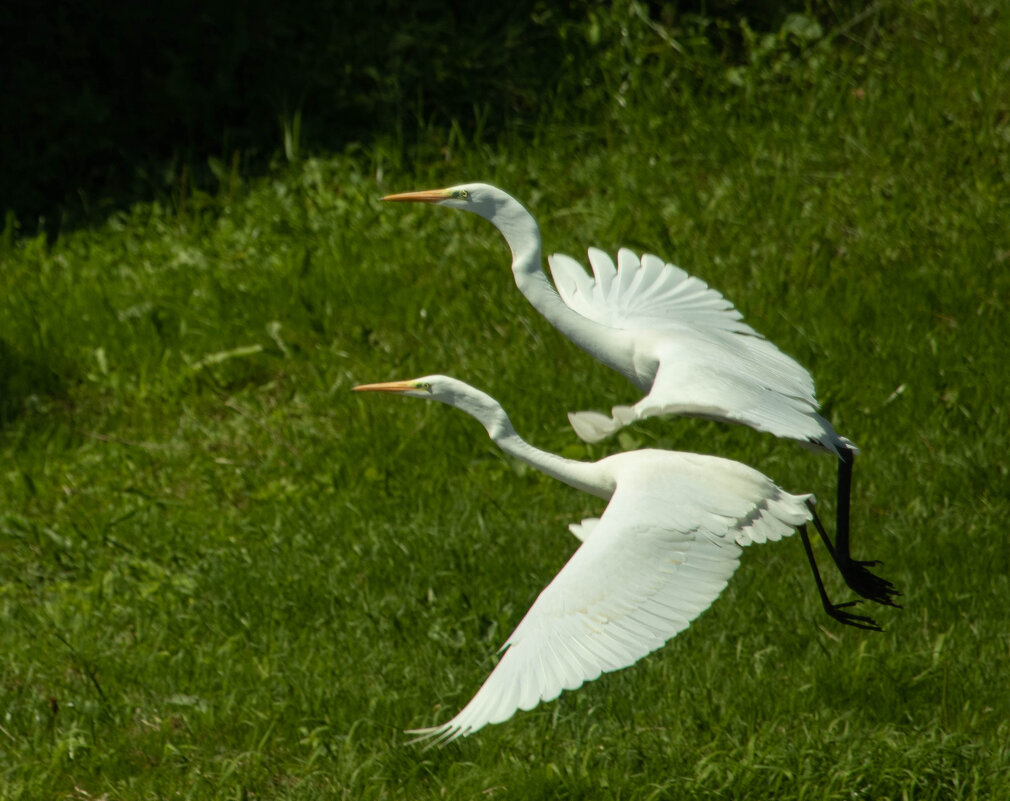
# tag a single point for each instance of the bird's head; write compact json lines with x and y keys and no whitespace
{"x":430,"y":387}
{"x":451,"y":392}
{"x":482,"y":199}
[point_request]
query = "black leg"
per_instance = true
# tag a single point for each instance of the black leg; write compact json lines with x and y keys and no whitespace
{"x":824,"y":535}
{"x":834,"y":610}
{"x":855,"y":573}
{"x":845,"y":460}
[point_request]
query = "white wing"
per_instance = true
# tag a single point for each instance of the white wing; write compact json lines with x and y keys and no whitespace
{"x":710,"y":363}
{"x":732,"y":390}
{"x":642,"y":294}
{"x":702,"y":379}
{"x":664,"y":549}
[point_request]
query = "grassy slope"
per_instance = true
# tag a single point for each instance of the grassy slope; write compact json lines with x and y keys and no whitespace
{"x":225,"y":576}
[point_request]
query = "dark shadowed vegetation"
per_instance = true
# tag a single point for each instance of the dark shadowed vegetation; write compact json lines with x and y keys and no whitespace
{"x":118,"y":101}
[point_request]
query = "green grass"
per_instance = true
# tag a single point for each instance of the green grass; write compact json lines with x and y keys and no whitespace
{"x":225,"y":576}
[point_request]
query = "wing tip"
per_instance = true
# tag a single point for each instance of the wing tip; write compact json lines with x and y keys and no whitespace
{"x":436,"y":735}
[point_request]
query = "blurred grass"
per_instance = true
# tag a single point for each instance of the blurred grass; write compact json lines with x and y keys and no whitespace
{"x":224,"y":576}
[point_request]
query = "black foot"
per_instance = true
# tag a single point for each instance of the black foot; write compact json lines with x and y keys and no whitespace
{"x":860,"y":580}
{"x":856,"y":621}
{"x":865,"y":583}
{"x":834,"y":610}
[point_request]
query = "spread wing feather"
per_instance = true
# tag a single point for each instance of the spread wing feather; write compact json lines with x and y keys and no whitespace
{"x":642,"y":294}
{"x":710,"y":363}
{"x":659,"y":556}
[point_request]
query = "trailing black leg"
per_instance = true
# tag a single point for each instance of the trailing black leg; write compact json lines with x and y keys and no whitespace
{"x":834,"y":610}
{"x":845,"y":459}
{"x":855,"y":572}
{"x":824,"y":535}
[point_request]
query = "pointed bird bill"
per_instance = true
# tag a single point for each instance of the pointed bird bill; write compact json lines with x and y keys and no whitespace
{"x":424,"y":196}
{"x":388,"y":386}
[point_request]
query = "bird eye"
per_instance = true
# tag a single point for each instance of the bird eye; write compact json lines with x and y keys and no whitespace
{"x":425,"y":386}
{"x":461,"y":194}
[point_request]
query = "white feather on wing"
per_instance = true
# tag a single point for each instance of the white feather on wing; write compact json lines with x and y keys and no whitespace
{"x":659,"y":556}
{"x":642,"y":294}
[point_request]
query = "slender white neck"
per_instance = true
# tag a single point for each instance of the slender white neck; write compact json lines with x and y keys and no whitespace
{"x":582,"y":475}
{"x":522,"y":235}
{"x":586,"y":476}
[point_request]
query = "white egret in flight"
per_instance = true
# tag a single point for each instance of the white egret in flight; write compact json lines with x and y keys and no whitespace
{"x":663,"y":550}
{"x":678,"y":340}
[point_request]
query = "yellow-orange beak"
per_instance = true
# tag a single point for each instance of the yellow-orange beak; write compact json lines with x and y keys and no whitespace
{"x":389,"y":386}
{"x":424,"y":196}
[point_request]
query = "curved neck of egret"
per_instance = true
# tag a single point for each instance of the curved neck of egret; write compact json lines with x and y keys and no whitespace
{"x":585,"y":476}
{"x":522,"y":234}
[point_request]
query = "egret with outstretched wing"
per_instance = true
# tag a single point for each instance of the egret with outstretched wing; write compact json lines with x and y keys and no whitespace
{"x":677,"y":339}
{"x":663,"y":550}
